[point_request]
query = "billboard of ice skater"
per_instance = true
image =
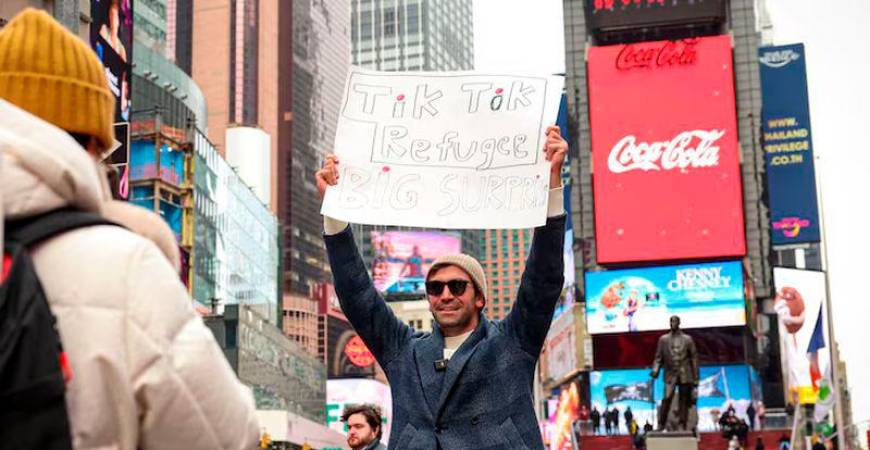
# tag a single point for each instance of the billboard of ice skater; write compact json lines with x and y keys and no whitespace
{"x":644,"y":299}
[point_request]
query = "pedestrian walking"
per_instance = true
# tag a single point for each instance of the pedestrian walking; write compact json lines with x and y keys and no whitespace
{"x":141,"y":369}
{"x":596,"y":420}
{"x":750,"y":414}
{"x":629,"y":416}
{"x":468,"y":383}
{"x":615,"y":420}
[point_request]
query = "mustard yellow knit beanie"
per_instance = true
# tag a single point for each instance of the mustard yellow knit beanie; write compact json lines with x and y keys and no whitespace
{"x":54,"y":75}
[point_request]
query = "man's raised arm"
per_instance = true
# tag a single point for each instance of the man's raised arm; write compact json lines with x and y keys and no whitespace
{"x":541,"y":285}
{"x":364,"y":307}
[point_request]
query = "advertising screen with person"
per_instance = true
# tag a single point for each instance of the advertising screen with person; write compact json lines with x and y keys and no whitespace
{"x":112,"y":40}
{"x":402,"y":258}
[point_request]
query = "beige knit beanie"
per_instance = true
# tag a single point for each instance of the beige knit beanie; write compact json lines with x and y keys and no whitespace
{"x":466,"y":263}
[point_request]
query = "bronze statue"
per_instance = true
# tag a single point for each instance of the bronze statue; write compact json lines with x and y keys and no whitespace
{"x":676,"y":353}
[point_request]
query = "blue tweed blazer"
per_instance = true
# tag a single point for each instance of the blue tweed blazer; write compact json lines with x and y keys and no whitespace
{"x":484,"y":399}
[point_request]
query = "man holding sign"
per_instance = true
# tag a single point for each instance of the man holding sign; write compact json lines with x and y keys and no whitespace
{"x":468,"y":384}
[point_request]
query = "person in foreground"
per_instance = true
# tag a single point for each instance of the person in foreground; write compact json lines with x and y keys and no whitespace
{"x":468,"y":383}
{"x":145,"y":371}
{"x":364,"y":428}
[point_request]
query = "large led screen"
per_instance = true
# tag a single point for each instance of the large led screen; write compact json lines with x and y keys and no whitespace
{"x":719,"y":387}
{"x":702,"y":295}
{"x":617,"y":15}
{"x":803,"y":331}
{"x":402,"y":258}
{"x":666,"y":165}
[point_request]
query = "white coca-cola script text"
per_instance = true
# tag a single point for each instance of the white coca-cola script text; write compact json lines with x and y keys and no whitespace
{"x":688,"y":149}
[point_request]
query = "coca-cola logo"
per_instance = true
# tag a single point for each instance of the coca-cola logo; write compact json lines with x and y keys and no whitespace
{"x":688,"y":149}
{"x":664,"y":54}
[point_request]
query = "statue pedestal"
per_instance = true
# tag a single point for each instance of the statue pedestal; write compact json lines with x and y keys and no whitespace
{"x":674,"y":440}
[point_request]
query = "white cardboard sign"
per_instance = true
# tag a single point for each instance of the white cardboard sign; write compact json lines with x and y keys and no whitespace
{"x":443,"y":149}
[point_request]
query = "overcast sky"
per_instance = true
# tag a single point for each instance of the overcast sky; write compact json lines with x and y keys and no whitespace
{"x":527,"y":36}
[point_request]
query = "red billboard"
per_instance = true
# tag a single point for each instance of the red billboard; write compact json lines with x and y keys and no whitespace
{"x":666,"y":168}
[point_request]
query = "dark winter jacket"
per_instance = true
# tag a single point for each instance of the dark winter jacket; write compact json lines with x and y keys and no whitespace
{"x":484,"y":399}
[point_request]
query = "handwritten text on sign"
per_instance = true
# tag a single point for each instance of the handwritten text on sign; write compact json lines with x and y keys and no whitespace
{"x":445,"y":150}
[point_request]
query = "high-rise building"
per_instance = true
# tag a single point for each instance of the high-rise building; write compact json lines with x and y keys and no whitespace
{"x":504,"y":260}
{"x":412,"y":34}
{"x":279,"y":66}
{"x":593,"y":29}
{"x":321,"y":45}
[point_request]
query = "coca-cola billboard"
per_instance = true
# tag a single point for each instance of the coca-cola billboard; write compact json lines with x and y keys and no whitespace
{"x":666,"y":165}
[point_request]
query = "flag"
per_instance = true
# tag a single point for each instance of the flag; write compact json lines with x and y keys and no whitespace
{"x":817,"y":342}
{"x":568,"y":250}
{"x":641,"y":392}
{"x":709,"y":387}
{"x":827,"y":397}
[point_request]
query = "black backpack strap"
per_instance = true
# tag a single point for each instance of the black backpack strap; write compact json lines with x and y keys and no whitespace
{"x":33,"y":230}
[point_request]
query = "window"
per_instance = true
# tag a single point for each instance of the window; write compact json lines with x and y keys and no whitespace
{"x":389,"y":22}
{"x":366,"y":25}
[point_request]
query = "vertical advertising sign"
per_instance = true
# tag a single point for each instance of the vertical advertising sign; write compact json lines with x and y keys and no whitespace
{"x":665,"y":159}
{"x":803,"y":330}
{"x":788,"y":145}
{"x":112,"y":40}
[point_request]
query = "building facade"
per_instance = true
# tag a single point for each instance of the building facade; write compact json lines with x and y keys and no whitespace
{"x":321,"y":45}
{"x":408,"y":35}
{"x":282,"y":376}
{"x":73,"y":14}
{"x":585,"y":33}
{"x":504,"y":261}
{"x":281,"y":68}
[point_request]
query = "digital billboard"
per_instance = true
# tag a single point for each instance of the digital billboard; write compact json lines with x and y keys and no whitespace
{"x":402,"y":258}
{"x":616,"y":15}
{"x":666,"y":164}
{"x":803,"y":330}
{"x":111,"y":37}
{"x":564,"y":350}
{"x":644,"y":299}
{"x":788,"y":145}
{"x":564,"y":411}
{"x":718,"y":388}
{"x":347,"y":355}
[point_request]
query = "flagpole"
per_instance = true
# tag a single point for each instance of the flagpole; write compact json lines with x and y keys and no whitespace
{"x":835,"y":351}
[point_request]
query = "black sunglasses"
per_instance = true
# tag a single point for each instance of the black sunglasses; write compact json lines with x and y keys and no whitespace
{"x":457,"y":287}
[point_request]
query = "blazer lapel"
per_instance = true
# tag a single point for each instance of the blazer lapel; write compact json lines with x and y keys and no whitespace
{"x":457,"y":362}
{"x":426,"y":352}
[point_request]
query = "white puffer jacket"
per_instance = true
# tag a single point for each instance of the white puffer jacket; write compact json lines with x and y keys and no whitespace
{"x":147,"y":373}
